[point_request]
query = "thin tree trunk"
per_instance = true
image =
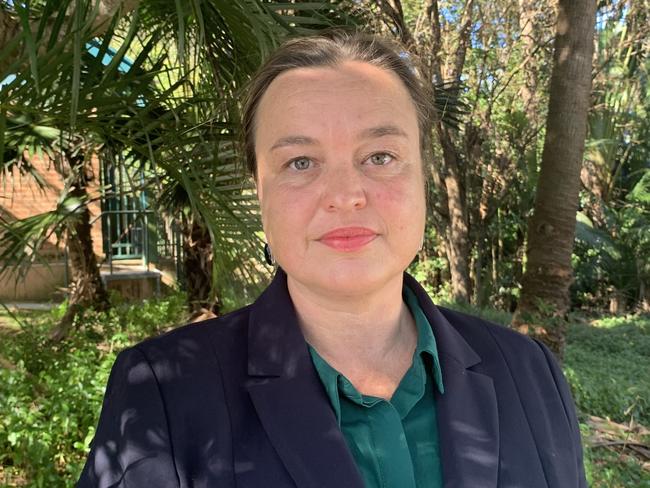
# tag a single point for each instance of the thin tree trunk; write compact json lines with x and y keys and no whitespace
{"x":545,"y":293}
{"x":459,"y":229}
{"x":451,"y":174}
{"x":644,"y":289}
{"x":86,"y":289}
{"x":528,"y":11}
{"x":644,"y":297}
{"x":197,"y":263}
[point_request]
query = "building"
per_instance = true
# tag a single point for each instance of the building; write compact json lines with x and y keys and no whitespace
{"x":137,"y":250}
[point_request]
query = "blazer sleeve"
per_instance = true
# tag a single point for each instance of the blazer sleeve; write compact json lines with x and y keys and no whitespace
{"x":570,"y":410}
{"x":132,"y":444}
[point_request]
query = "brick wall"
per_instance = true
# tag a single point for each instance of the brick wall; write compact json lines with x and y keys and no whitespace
{"x":21,"y":197}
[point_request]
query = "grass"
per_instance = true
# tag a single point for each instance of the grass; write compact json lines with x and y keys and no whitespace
{"x":607,"y":364}
{"x":50,"y":395}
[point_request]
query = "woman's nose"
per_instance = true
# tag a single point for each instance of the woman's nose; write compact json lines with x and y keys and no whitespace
{"x":344,"y":189}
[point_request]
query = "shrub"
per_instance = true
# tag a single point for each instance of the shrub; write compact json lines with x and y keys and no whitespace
{"x":51,"y":400}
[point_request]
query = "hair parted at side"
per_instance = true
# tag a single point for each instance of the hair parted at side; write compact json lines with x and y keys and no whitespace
{"x":329,"y":48}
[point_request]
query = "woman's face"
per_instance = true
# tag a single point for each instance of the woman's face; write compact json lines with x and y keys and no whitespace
{"x":340,"y":178}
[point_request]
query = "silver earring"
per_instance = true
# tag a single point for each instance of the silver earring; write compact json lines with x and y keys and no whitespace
{"x":421,"y":244}
{"x":268,"y":256}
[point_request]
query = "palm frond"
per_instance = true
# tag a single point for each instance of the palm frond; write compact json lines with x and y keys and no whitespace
{"x":160,"y":87}
{"x":23,"y":240}
{"x":449,"y":105}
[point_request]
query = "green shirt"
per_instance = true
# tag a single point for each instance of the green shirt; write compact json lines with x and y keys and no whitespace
{"x":394,"y":443}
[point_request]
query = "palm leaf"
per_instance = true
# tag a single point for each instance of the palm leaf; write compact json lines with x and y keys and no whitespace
{"x":168,"y":106}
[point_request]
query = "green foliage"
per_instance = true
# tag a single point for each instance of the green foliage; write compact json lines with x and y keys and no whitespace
{"x":612,"y":252}
{"x":51,"y":400}
{"x":608,"y":469}
{"x":606,"y":363}
{"x":490,"y":314}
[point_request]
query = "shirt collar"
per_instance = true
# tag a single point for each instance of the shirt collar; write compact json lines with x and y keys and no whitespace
{"x":410,"y":389}
{"x":426,"y":340}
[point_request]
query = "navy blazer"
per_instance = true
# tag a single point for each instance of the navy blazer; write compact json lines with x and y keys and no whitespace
{"x":236,"y":402}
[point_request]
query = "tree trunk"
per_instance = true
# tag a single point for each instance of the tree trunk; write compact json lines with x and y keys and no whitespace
{"x":644,"y":297}
{"x":528,"y":12}
{"x":86,"y":289}
{"x":545,"y":293}
{"x":451,"y":173}
{"x":197,"y":264}
{"x":644,"y":289}
{"x":617,"y":302}
{"x":458,"y":244}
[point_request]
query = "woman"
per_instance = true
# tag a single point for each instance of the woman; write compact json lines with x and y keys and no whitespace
{"x":343,"y":373}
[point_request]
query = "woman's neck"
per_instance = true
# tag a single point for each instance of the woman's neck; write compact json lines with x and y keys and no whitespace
{"x":370,"y":337}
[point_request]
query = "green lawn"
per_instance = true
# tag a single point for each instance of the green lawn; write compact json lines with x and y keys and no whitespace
{"x":50,"y":395}
{"x":608,"y":366}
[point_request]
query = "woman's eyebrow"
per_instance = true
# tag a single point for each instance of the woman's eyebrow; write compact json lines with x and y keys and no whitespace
{"x":382,"y":130}
{"x":293,"y":141}
{"x":370,"y":133}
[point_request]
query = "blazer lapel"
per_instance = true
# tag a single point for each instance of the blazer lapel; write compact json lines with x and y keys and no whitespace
{"x":289,"y":398}
{"x":467,"y":414}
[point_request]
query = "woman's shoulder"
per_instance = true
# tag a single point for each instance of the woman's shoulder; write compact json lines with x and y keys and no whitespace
{"x":198,"y":342}
{"x":468,"y":325}
{"x":496,"y":341}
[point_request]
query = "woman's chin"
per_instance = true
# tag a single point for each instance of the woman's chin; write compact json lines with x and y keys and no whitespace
{"x":347,"y":277}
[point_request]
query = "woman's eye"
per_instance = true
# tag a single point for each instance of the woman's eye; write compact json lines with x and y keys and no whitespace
{"x":300,"y":164}
{"x":380,"y":159}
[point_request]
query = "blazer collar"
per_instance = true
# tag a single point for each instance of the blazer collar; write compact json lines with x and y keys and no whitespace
{"x":289,"y":397}
{"x":295,"y":410}
{"x":274,"y":336}
{"x":467,"y":415}
{"x":275,"y":340}
{"x":450,"y":343}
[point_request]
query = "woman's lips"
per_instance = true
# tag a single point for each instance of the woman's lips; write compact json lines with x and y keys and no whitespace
{"x":348,"y":238}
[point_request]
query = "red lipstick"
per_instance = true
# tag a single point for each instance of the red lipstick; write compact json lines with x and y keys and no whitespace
{"x":348,"y":239}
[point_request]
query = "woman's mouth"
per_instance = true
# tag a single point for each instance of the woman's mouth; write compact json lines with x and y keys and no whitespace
{"x":348,"y":239}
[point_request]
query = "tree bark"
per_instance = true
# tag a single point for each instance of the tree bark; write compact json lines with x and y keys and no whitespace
{"x":644,"y":297}
{"x":197,"y":265}
{"x":86,"y":289}
{"x":451,"y":173}
{"x":458,"y":245}
{"x":545,"y":292}
{"x":528,"y":10}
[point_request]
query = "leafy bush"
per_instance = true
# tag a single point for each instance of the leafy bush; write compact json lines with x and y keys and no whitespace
{"x":51,"y":400}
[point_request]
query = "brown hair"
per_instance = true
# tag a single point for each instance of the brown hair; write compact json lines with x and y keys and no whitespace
{"x":330,"y":48}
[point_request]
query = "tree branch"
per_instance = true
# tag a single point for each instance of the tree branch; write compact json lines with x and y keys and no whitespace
{"x":463,"y":40}
{"x":436,"y":45}
{"x":396,"y":15}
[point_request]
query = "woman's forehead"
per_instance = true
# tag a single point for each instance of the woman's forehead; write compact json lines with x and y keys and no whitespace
{"x":353,"y":96}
